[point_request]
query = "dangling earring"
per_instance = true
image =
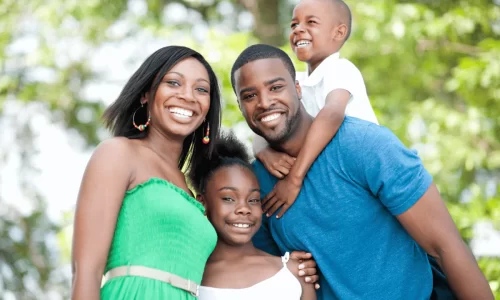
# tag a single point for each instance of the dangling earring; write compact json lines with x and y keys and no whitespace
{"x":141,"y":127}
{"x":206,"y":138}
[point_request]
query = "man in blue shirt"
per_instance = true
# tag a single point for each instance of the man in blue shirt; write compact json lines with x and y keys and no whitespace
{"x":367,"y":210}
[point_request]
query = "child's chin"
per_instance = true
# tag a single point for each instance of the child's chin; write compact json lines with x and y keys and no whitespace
{"x":303,"y":57}
{"x":240,"y":241}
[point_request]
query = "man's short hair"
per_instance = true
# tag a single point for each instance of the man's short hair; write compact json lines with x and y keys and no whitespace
{"x":261,"y":51}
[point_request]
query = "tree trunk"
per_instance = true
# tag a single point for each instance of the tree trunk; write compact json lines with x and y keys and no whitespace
{"x":267,"y":26}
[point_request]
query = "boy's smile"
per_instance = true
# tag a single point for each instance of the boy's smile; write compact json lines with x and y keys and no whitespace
{"x":315,"y":31}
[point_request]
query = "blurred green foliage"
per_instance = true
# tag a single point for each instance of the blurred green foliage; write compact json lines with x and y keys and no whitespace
{"x":432,"y":70}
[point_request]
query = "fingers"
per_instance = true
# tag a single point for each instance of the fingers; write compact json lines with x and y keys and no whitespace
{"x":300,"y":255}
{"x":308,"y":272}
{"x":283,"y":169}
{"x":268,"y":197}
{"x":268,"y":201}
{"x":307,"y":268}
{"x":312,"y":279}
{"x":283,"y":210}
{"x":276,"y":173}
{"x":277,"y":163}
{"x":272,"y":209}
{"x":289,"y":160}
{"x":308,"y":264}
{"x":286,"y":161}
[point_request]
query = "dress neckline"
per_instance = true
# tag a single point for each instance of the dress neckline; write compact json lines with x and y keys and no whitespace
{"x":164,"y":182}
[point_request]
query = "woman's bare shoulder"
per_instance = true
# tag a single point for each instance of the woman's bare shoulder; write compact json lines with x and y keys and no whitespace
{"x":117,"y":154}
{"x":116,"y":150}
{"x":119,"y":145}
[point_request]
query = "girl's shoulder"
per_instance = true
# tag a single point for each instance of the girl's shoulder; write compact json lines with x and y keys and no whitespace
{"x":270,"y":259}
{"x":283,"y":261}
{"x":291,"y":264}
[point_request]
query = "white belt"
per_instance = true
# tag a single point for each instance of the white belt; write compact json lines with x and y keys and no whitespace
{"x":172,"y":279}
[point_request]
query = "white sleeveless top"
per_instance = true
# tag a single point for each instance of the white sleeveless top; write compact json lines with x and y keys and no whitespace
{"x":282,"y":285}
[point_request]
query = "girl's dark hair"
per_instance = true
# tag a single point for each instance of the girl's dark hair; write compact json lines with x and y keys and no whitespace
{"x":118,"y":117}
{"x":228,"y":151}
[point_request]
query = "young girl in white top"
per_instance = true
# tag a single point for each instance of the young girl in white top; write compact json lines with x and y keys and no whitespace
{"x":229,"y":190}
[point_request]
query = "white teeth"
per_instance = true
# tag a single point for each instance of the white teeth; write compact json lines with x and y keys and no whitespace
{"x":181,"y":112}
{"x":241,"y":225}
{"x":302,"y":43}
{"x":270,"y":117}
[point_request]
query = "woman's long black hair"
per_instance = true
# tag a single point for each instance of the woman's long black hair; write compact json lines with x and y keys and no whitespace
{"x":228,"y":151}
{"x":118,"y":117}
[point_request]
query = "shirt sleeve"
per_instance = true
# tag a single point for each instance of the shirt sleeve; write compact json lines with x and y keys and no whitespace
{"x":344,"y":75}
{"x":391,"y":171}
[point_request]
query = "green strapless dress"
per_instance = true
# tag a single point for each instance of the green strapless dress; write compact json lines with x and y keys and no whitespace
{"x":159,"y":226}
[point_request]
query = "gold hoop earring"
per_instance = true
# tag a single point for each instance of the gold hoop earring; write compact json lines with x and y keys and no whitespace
{"x":141,"y":127}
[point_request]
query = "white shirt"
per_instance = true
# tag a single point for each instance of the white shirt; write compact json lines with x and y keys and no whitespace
{"x":336,"y":73}
{"x":281,"y":286}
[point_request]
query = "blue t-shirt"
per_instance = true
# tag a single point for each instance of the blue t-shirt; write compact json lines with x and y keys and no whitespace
{"x":345,"y":216}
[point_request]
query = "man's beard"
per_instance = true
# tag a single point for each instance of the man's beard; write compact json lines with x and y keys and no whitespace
{"x":285,"y":135}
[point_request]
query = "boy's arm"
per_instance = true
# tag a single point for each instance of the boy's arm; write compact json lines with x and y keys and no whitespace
{"x":277,"y":163}
{"x":323,"y":129}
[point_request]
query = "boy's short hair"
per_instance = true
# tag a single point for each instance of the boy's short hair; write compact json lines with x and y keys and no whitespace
{"x":261,"y":51}
{"x":345,"y":11}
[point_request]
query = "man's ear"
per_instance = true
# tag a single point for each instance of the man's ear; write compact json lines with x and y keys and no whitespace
{"x":298,"y":89}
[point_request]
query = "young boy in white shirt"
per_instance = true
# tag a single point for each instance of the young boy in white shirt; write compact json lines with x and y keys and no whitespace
{"x":333,"y":88}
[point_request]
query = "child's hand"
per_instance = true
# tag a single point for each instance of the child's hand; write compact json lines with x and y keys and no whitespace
{"x":283,"y":195}
{"x":307,"y":267}
{"x":277,"y":163}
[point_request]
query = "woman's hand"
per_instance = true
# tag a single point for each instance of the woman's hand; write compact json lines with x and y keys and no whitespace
{"x":307,"y":267}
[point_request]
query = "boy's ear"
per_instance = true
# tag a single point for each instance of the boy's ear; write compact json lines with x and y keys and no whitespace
{"x":340,"y":32}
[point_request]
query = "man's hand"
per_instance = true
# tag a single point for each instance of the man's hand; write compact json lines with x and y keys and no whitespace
{"x":277,"y":163}
{"x":307,"y":267}
{"x":283,"y":195}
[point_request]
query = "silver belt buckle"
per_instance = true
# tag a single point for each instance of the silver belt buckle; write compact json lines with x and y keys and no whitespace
{"x":197,"y":289}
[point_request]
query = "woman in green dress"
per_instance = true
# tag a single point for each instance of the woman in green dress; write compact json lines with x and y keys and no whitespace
{"x":136,"y":221}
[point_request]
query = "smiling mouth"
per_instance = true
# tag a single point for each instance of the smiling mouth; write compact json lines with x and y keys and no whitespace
{"x":270,"y":117}
{"x":181,"y":112}
{"x":302,"y":43}
{"x":240,"y":225}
